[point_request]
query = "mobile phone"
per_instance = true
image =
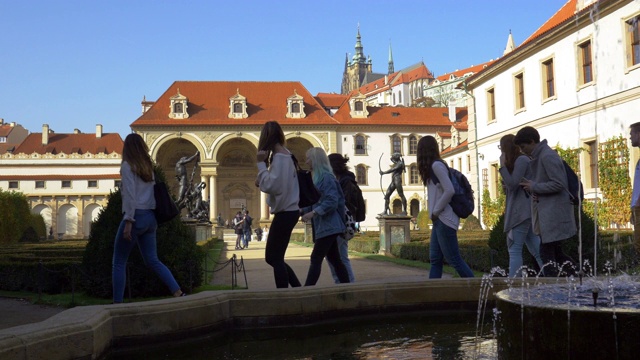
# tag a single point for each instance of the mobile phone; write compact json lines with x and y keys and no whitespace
{"x":523,"y":179}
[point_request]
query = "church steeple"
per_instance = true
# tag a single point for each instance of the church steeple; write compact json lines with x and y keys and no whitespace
{"x":357,"y":69}
{"x":359,"y":57}
{"x":391,"y":70}
{"x":510,"y":44}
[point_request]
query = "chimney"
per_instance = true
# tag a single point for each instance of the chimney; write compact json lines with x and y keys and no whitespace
{"x":45,"y":134}
{"x":1,"y":121}
{"x":452,"y":113}
{"x":98,"y":131}
{"x":77,"y":131}
{"x":12,"y":124}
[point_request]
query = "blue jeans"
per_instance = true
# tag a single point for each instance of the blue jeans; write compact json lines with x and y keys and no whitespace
{"x":143,"y":234}
{"x":522,"y":234}
{"x":444,"y":245}
{"x":343,"y":248}
{"x":247,"y":238}
{"x":325,"y":247}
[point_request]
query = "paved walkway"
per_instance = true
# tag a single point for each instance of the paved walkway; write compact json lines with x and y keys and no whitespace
{"x":260,"y":274}
{"x":14,"y":312}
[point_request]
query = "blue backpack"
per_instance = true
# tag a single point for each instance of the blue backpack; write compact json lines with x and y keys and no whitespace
{"x":462,"y":201}
{"x":575,"y":189}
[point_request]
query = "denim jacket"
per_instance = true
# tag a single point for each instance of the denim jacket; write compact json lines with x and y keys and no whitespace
{"x":328,"y":219}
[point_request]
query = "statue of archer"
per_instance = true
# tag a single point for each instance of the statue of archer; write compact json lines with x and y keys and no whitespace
{"x":396,"y":183}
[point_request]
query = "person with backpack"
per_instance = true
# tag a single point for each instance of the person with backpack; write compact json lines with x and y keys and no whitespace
{"x":552,"y":212}
{"x":444,"y":234}
{"x":246,"y":228}
{"x":514,"y":165}
{"x":353,"y":201}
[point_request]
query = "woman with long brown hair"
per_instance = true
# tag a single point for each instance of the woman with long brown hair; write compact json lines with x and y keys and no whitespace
{"x":444,"y":234}
{"x":514,"y":165}
{"x":278,"y":178}
{"x":139,"y":225}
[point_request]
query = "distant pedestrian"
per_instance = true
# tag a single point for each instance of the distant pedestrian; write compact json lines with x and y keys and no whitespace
{"x":138,"y":226}
{"x":237,"y":228}
{"x":444,"y":234}
{"x":246,"y":228}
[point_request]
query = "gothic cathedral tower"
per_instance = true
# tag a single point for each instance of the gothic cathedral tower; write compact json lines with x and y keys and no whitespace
{"x":355,"y":71}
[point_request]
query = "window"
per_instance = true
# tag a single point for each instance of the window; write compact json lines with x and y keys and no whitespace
{"x":549,"y":87}
{"x":66,"y":183}
{"x":414,"y":175}
{"x":295,"y":108}
{"x":400,"y":97}
{"x":361,"y":145}
{"x":117,"y":183}
{"x":468,"y":163}
{"x":177,"y":108}
{"x":519,"y":90}
{"x":359,"y":105}
{"x":459,"y":164}
{"x":39,"y":184}
{"x":361,"y":174}
{"x":13,"y":185}
{"x":3,"y":139}
{"x":237,"y":108}
{"x":92,"y":183}
{"x":633,"y":41}
{"x":396,"y":144}
{"x":593,"y":164}
{"x":394,"y":99}
{"x":491,"y":104}
{"x":585,"y":63}
{"x":413,"y":145}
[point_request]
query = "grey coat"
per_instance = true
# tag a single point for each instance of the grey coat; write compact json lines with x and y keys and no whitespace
{"x":518,"y":207}
{"x":552,"y":214}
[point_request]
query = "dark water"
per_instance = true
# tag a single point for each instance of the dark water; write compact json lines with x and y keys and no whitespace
{"x":446,"y":335}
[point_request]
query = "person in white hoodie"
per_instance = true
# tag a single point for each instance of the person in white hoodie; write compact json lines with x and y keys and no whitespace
{"x":277,"y":177}
{"x":444,"y":234}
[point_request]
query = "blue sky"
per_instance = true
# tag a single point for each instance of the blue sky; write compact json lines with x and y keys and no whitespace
{"x":75,"y":64}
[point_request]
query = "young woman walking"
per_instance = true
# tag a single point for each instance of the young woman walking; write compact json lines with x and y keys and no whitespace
{"x":326,"y":215}
{"x":138,"y":227}
{"x":444,"y":234}
{"x":278,"y":178}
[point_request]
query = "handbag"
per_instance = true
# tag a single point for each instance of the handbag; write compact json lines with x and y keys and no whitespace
{"x":309,"y":195}
{"x":166,"y":208}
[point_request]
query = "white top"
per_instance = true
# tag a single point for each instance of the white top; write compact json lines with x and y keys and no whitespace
{"x":280,"y":182}
{"x":440,"y":195}
{"x":136,"y":194}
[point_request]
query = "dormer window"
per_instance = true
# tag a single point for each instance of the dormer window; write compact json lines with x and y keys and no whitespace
{"x":295,"y":106}
{"x":238,"y":106}
{"x":358,"y":107}
{"x":178,"y":106}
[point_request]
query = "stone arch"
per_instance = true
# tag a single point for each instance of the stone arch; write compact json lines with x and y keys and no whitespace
{"x":46,"y":213}
{"x":225,"y":139}
{"x":396,"y":206}
{"x":299,"y":145}
{"x":67,"y":220}
{"x":157,"y":146}
{"x":236,"y":174}
{"x":169,"y":153}
{"x":91,"y":213}
{"x":414,"y":207}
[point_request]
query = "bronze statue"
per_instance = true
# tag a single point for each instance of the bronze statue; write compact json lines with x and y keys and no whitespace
{"x":396,"y":183}
{"x":181,"y":175}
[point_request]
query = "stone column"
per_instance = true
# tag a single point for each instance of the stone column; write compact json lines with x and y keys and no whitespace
{"x":264,"y":208}
{"x":213,"y":204}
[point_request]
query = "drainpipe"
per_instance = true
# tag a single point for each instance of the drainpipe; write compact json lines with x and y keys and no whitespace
{"x":475,"y":129}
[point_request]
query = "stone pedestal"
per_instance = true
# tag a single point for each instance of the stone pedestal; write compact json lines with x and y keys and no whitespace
{"x":200,"y":231}
{"x":220,"y":232}
{"x":394,"y":229}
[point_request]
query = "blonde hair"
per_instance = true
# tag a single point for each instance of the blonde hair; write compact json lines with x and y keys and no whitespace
{"x":320,"y":162}
{"x":136,"y":153}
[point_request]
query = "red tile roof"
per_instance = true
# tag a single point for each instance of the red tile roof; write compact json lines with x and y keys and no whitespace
{"x":5,"y":129}
{"x":330,"y":100}
{"x":71,"y":143}
{"x":459,"y":73}
{"x":60,"y":177}
{"x":401,"y":116}
{"x":449,"y":149}
{"x":208,"y":104}
{"x":567,"y":11}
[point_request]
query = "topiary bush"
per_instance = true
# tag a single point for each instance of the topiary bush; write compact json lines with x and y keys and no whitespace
{"x":423,"y":219}
{"x":15,"y":218}
{"x":471,"y":223}
{"x":176,"y":249}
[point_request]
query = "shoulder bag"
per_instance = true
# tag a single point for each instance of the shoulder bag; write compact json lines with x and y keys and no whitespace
{"x":166,"y":208}
{"x":309,"y":195}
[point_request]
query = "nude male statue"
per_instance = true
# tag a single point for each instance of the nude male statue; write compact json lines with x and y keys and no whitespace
{"x":181,"y":175}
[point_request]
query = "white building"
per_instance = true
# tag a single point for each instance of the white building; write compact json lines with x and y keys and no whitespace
{"x":66,"y":177}
{"x":576,"y":80}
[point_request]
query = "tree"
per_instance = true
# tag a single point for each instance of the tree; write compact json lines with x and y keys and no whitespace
{"x":16,"y":216}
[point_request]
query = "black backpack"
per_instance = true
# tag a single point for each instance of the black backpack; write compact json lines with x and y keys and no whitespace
{"x":462,"y":201}
{"x":575,"y":190}
{"x":353,"y":198}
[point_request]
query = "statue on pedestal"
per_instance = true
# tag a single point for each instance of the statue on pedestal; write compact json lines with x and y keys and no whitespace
{"x":396,"y":170}
{"x":190,"y":195}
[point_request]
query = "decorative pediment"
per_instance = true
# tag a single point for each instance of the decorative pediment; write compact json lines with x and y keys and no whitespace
{"x":238,"y":106}
{"x":358,"y":106}
{"x":295,"y":106}
{"x":178,"y":104}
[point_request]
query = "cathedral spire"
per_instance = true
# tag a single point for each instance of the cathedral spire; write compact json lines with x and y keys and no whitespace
{"x":391,"y":70}
{"x":510,"y":44}
{"x":359,"y":55}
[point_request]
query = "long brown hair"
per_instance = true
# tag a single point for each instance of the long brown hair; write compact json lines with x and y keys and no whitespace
{"x":510,"y":150}
{"x":270,"y":135}
{"x":136,"y":153}
{"x":428,"y":153}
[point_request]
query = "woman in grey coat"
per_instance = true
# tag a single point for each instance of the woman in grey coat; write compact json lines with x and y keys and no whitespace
{"x":514,"y":166}
{"x":551,"y":209}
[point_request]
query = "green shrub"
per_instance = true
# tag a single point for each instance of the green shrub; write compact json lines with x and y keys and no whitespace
{"x":471,"y":223}
{"x":15,"y":218}
{"x":423,"y":219}
{"x":176,"y":249}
